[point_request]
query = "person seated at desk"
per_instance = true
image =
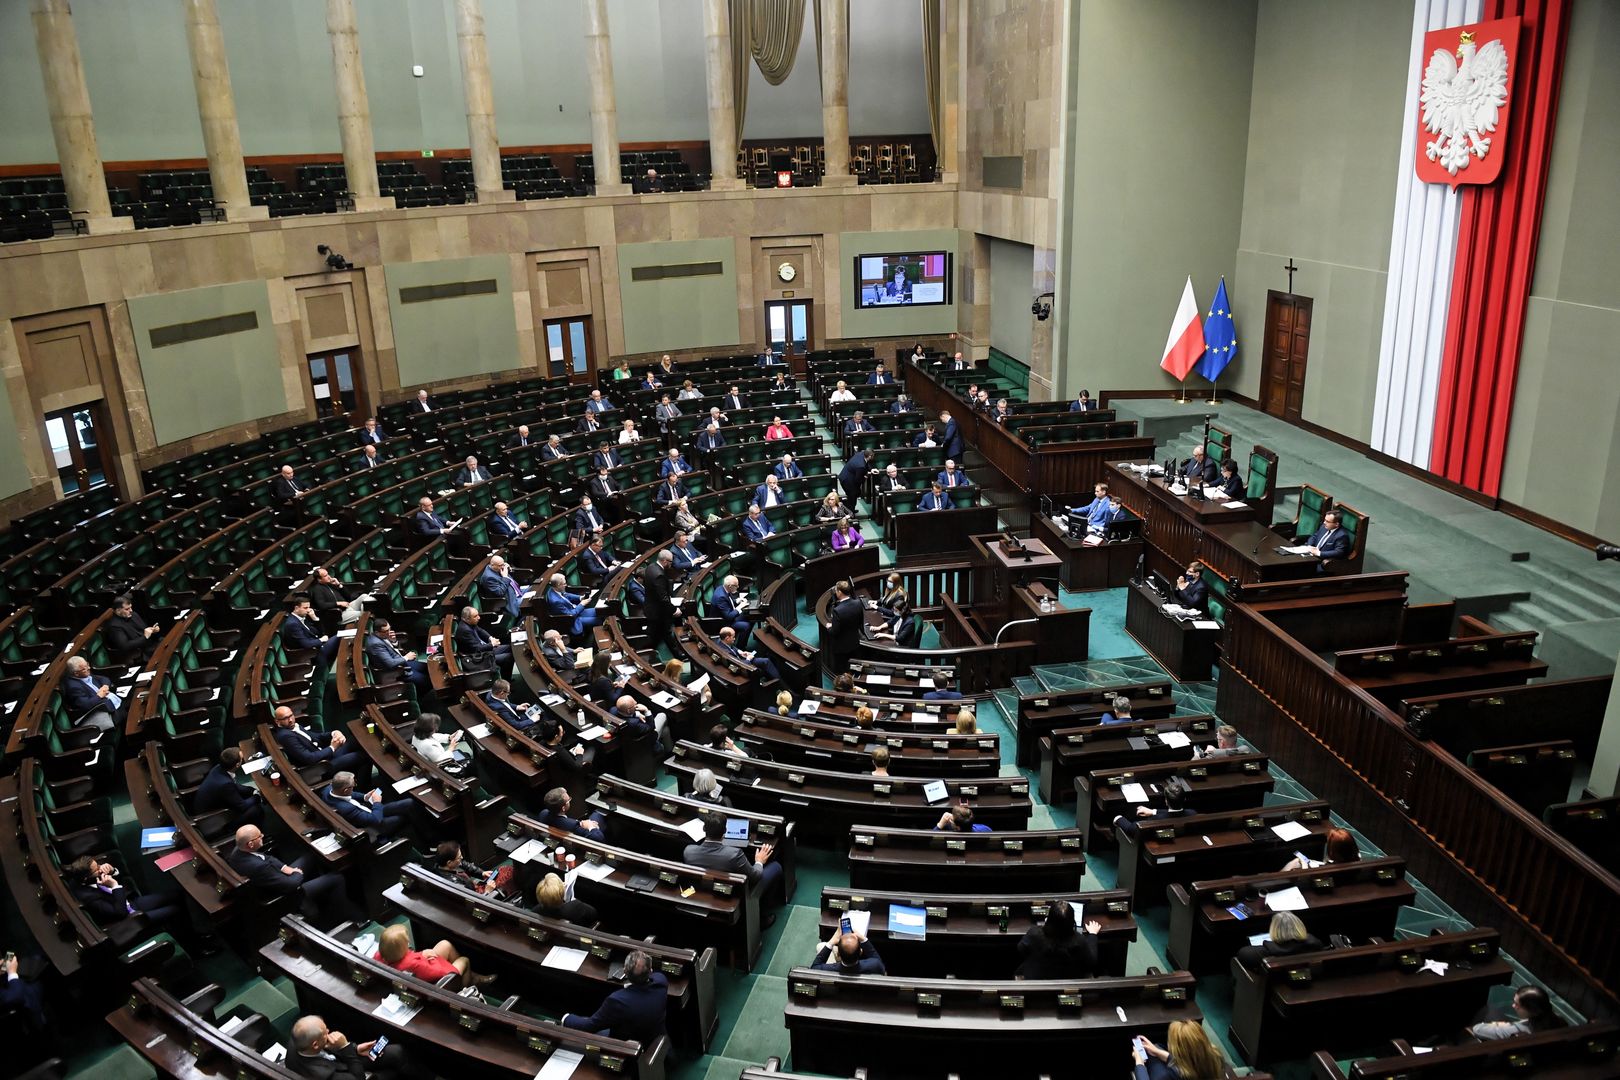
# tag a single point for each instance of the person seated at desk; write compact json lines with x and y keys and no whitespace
{"x":787,"y":469}
{"x":918,"y":354}
{"x":596,"y":403}
{"x":1338,"y":847}
{"x":935,"y":499}
{"x":605,"y":457}
{"x":726,"y":640}
{"x":604,"y":683}
{"x":845,"y":536}
{"x":519,"y":440}
{"x":1530,"y":1012}
{"x":705,"y":786}
{"x":496,"y":587}
{"x":587,"y":521}
{"x":429,"y":965}
{"x":1002,"y":412}
{"x":449,"y":863}
{"x":689,"y":392}
{"x":637,"y":721}
{"x":588,"y":424}
{"x":720,"y":740}
{"x":634,"y":1012}
{"x":427,"y":523}
{"x":1285,"y":937}
{"x":628,"y":435}
{"x":959,"y":818}
{"x":371,"y":433}
{"x":757,"y":528}
{"x":1199,"y":469}
{"x":1120,"y":711}
{"x":841,"y":393}
{"x":1057,"y":949}
{"x":551,"y":899}
{"x":499,"y":699}
{"x":323,"y":897}
{"x":370,"y":457}
{"x":831,"y":511}
{"x":471,"y":473}
{"x":942,"y":689}
{"x":674,"y":669}
{"x":128,"y":636}
{"x":781,"y":381}
{"x":553,"y":449}
{"x":967,"y":723}
{"x":848,"y":954}
{"x":960,"y":362}
{"x":368,"y":811}
{"x":951,"y":477}
{"x":717,"y":416}
{"x":708,"y":440}
{"x":437,"y":748}
{"x":769,"y":495}
{"x":1082,"y":402}
{"x":96,"y":887}
{"x":562,"y":657}
{"x":1330,"y":541}
{"x":880,"y":760}
{"x":564,"y":604}
{"x":1099,"y":512}
{"x":304,"y":747}
{"x":928,"y":437}
{"x":555,"y":813}
{"x":713,"y":853}
{"x":286,"y":487}
{"x":1175,"y":805}
{"x":776,"y":429}
{"x":687,"y":556}
{"x":621,"y":371}
{"x":880,"y":377}
{"x":503,"y":526}
{"x":1190,"y":588}
{"x":607,"y":494}
{"x":666,"y":367}
{"x":723,"y":604}
{"x":219,"y":791}
{"x":1231,"y":484}
{"x":982,"y":404}
{"x":1226,"y":743}
{"x":332,"y":601}
{"x":1191,"y":1055}
{"x":320,"y":1054}
{"x":651,"y":381}
{"x":566,"y":749}
{"x":673,"y":464}
{"x":857,"y":424}
{"x":301,"y":632}
{"x":598,"y":560}
{"x":382,"y":650}
{"x":665,"y":412}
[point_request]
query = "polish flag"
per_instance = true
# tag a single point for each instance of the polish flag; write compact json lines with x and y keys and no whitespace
{"x":1186,"y":342}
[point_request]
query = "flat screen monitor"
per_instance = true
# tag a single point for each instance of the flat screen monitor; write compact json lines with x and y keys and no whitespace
{"x":909,"y":279}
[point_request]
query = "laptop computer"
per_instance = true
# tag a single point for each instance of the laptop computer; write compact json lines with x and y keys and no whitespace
{"x":736,"y":832}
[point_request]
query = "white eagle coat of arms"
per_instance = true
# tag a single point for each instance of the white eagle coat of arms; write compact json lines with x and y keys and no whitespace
{"x":1464,"y":100}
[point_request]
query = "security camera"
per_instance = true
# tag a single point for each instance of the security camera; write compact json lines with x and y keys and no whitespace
{"x":334,"y":261}
{"x":1041,"y":311}
{"x":1608,"y":551}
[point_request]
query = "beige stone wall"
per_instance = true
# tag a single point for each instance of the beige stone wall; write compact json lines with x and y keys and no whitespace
{"x":87,"y":280}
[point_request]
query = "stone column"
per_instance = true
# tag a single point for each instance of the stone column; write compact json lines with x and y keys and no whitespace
{"x":216,"y":106}
{"x":835,"y":91}
{"x":354,"y":109}
{"x":722,"y":109}
{"x":604,"y":113}
{"x":68,"y":99}
{"x":486,"y":149}
{"x":952,"y":41}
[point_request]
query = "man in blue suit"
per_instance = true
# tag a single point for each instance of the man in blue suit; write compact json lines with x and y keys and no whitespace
{"x":220,"y":791}
{"x":1082,"y":402}
{"x":382,"y":651}
{"x":426,"y":523}
{"x":598,"y":560}
{"x":91,"y":700}
{"x":471,"y":473}
{"x":498,"y":698}
{"x":598,"y":404}
{"x":901,"y":404}
{"x":476,"y":646}
{"x":857,"y":424}
{"x":670,"y":490}
{"x":1199,"y":468}
{"x":636,"y":720}
{"x":674,"y":463}
{"x":301,"y":631}
{"x":942,"y":690}
{"x":1098,"y":512}
{"x":879,"y":377}
{"x":555,"y":813}
{"x":562,"y":603}
{"x":687,"y":557}
{"x":304,"y":747}
{"x":1330,"y":541}
{"x":636,"y":1011}
{"x":1190,"y":588}
{"x":952,"y":477}
{"x":495,"y":586}
{"x":787,"y":469}
{"x":324,"y":897}
{"x":503,"y":526}
{"x":605,"y":457}
{"x":370,"y":457}
{"x":708,"y":440}
{"x":367,"y":811}
{"x":372,"y":433}
{"x":553,"y":450}
{"x":727,"y":640}
{"x":723,"y":604}
{"x":935,"y":499}
{"x":952,"y":437}
{"x":852,"y":477}
{"x":848,"y":954}
{"x":757,"y":527}
{"x":586,"y":519}
{"x":769,"y":494}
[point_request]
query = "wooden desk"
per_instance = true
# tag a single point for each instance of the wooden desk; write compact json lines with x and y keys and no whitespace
{"x":830,"y":746}
{"x":1224,"y":783}
{"x":178,"y":1042}
{"x":1098,"y":566}
{"x":1197,"y":846}
{"x":1068,"y":752}
{"x":1031,"y":860}
{"x":1578,"y":1053}
{"x":925,"y":534}
{"x":1182,"y":649}
{"x":1040,"y":714}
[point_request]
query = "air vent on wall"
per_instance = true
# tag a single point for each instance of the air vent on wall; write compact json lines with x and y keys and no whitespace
{"x":449,"y":290}
{"x":676,"y":270}
{"x":218,"y":326}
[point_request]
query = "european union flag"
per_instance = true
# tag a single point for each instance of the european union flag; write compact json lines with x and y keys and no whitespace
{"x":1220,"y":337}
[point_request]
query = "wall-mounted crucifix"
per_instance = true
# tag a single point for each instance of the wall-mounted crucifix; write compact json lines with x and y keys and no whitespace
{"x":1290,"y":268}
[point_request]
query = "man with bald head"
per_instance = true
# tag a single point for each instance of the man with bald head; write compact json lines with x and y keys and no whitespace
{"x":286,"y":487}
{"x":496,"y":588}
{"x":90,"y":698}
{"x":324,"y":897}
{"x":305,"y":746}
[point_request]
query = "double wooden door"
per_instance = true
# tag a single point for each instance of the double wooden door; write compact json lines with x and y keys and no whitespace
{"x":1288,"y":340}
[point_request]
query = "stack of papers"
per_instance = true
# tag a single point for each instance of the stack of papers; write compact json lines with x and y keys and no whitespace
{"x":258,"y":764}
{"x":410,"y":783}
{"x":478,"y":731}
{"x":566,"y":959}
{"x":1286,"y":900}
{"x":1290,"y":830}
{"x":1296,"y":549}
{"x":396,"y":1011}
{"x":878,"y":680}
{"x":1237,"y":506}
{"x":859,"y":921}
{"x":596,"y":871}
{"x":1134,"y":793}
{"x":527,"y":851}
{"x":560,"y":1065}
{"x":328,"y":844}
{"x":594,"y":732}
{"x":1175,"y":739}
{"x":1437,"y":966}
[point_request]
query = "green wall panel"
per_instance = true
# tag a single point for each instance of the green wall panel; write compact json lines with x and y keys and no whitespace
{"x":679,"y":312}
{"x":897,"y":321}
{"x":204,"y":385}
{"x":453,"y":337}
{"x":1012,"y":290}
{"x":14,"y":476}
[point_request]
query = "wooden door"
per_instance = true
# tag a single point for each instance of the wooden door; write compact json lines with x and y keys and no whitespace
{"x":568,"y":349}
{"x":1288,"y":340}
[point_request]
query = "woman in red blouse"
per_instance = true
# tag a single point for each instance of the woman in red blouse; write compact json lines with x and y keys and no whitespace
{"x":429,"y":965}
{"x":777,"y":430}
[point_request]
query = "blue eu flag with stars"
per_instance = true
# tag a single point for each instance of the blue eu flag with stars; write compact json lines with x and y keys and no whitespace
{"x":1220,"y":337}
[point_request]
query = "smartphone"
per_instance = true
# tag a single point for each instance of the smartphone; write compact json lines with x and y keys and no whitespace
{"x":378,"y":1047}
{"x":844,"y":926}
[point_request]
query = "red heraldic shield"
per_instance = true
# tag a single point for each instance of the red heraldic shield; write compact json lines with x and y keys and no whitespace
{"x":1462,"y":119}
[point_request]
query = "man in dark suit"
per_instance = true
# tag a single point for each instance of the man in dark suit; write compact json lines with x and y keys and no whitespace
{"x":757,"y":527}
{"x":220,"y":791}
{"x":368,"y":810}
{"x":889,"y":480}
{"x":421,"y":406}
{"x":286,"y":487}
{"x":25,"y":997}
{"x":520,"y":439}
{"x":857,"y":424}
{"x":686,"y":556}
{"x":942,"y":690}
{"x":370,"y":457}
{"x":562,"y":657}
{"x":499,"y":699}
{"x":670,"y":490}
{"x":323,"y":897}
{"x":471,"y":473}
{"x":1190,"y":588}
{"x":848,"y":954}
{"x":841,"y":634}
{"x":607,"y":494}
{"x":300,"y":631}
{"x":605,"y":457}
{"x":496,"y":588}
{"x":1330,"y":541}
{"x":659,"y":605}
{"x":879,"y":377}
{"x":928,"y":437}
{"x":127,"y":635}
{"x":476,"y":646}
{"x":723,"y":604}
{"x":1082,"y":402}
{"x":651,"y":381}
{"x":329,"y":1055}
{"x":371,"y":434}
{"x":91,"y":700}
{"x":732,"y":402}
{"x":960,"y":363}
{"x":708,"y":440}
{"x":935,"y":498}
{"x":769,"y":494}
{"x":634,"y":720}
{"x":596,"y":403}
{"x":588,"y":423}
{"x":1175,"y":805}
{"x":673,"y":464}
{"x":95,"y":885}
{"x":555,"y":812}
{"x":787,"y":468}
{"x":305,"y":747}
{"x":586,"y":518}
{"x":328,"y":597}
{"x":426,"y":523}
{"x":952,"y":437}
{"x":635,"y":1012}
{"x":647,"y":184}
{"x":1199,"y":469}
{"x":713,"y":853}
{"x":596,"y":559}
{"x":852,"y":477}
{"x":382,"y":651}
{"x":901,"y":404}
{"x":952,"y":476}
{"x":726,"y":639}
{"x":503,"y":526}
{"x":564,"y":604}
{"x":553,"y":450}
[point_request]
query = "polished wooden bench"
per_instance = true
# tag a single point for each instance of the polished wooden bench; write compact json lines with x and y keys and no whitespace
{"x":1358,"y":899}
{"x":1167,"y":850}
{"x":1393,"y":673}
{"x":516,"y":942}
{"x":1230,"y":782}
{"x":835,"y":747}
{"x":1069,"y":752}
{"x":206,"y":877}
{"x":976,"y":936}
{"x":1040,"y":714}
{"x":1576,"y":1053}
{"x":1534,"y":774}
{"x":178,"y":1041}
{"x":1041,"y":860}
{"x":1546,"y":709}
{"x":1343,"y":998}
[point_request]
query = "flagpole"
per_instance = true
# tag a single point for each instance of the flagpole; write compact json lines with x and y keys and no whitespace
{"x":1182,"y":400}
{"x":1214,"y":392}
